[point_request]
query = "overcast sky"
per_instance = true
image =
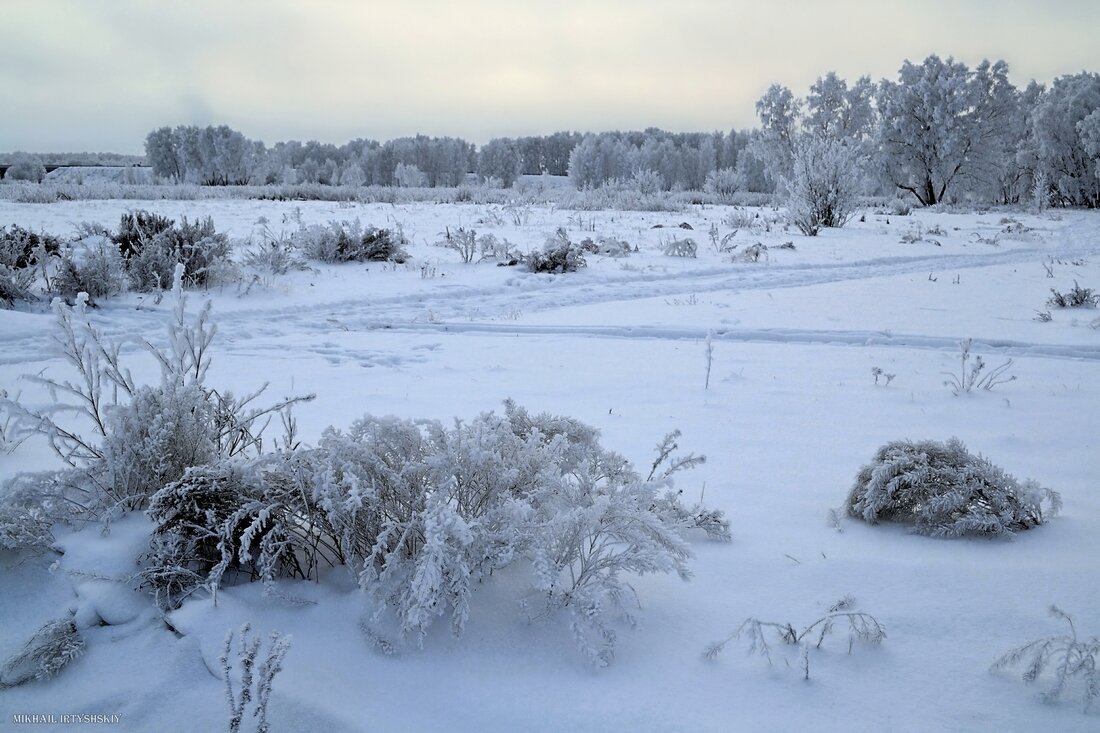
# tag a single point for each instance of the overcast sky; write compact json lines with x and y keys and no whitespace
{"x":98,"y":75}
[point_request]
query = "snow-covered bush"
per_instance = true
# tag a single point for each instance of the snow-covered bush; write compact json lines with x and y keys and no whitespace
{"x":824,"y":184}
{"x":724,"y":183}
{"x":272,"y":255}
{"x":559,"y":254}
{"x":424,"y":513}
{"x":1074,"y":662}
{"x":350,"y":242}
{"x":45,"y":654}
{"x":681,"y":248}
{"x":943,"y":490}
{"x":21,"y":248}
{"x":462,"y":241}
{"x":22,"y":252}
{"x":143,"y":436}
{"x":15,"y":285}
{"x":97,"y":269}
{"x":138,"y":228}
{"x":152,"y":246}
{"x":1077,"y":297}
{"x":155,"y":437}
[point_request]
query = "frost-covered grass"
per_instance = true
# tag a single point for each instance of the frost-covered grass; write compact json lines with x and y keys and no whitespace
{"x":789,"y":416}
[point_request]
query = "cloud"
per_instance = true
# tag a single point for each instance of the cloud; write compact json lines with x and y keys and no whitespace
{"x":334,"y":69}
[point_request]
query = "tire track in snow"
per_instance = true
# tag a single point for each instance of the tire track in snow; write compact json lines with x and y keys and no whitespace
{"x":765,"y":335}
{"x":527,"y":293}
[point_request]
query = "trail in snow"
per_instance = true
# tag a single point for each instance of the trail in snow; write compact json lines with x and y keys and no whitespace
{"x":461,"y":308}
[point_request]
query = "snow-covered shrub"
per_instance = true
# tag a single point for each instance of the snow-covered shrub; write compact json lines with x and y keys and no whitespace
{"x":21,"y":252}
{"x":30,"y":504}
{"x":861,"y":627}
{"x":559,"y":254}
{"x":1074,"y":662}
{"x":15,"y":285}
{"x":350,"y":242}
{"x":1077,"y":297}
{"x":138,"y":228}
{"x":152,"y":258}
{"x":255,"y":682}
{"x":272,"y":255}
{"x":943,"y":490}
{"x":500,"y":250}
{"x":97,"y":269}
{"x":424,"y":513}
{"x":155,"y":437}
{"x":824,"y":184}
{"x":45,"y":654}
{"x":143,"y":436}
{"x":681,"y":248}
{"x":724,"y":183}
{"x":462,"y":241}
{"x":973,"y":376}
{"x":21,"y":248}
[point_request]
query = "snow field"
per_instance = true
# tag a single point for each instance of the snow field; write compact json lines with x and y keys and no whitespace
{"x":791,"y":413}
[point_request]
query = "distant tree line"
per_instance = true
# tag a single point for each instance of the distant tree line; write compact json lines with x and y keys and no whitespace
{"x":940,"y":132}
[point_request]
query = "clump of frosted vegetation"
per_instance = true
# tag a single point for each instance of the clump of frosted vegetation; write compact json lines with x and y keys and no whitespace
{"x":421,"y":512}
{"x":1077,"y":297}
{"x":425,"y":513}
{"x":45,"y":654}
{"x":152,"y":246}
{"x":138,"y":437}
{"x":1069,"y":659}
{"x":824,"y":184}
{"x":23,"y":255}
{"x":943,"y":490}
{"x":350,"y":242}
{"x":558,"y":255}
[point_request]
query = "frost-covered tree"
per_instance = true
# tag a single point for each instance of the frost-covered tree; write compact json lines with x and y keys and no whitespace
{"x":780,"y":114}
{"x":409,"y":176}
{"x":1063,"y":139}
{"x":500,"y":158}
{"x":162,"y":156}
{"x":835,"y":110}
{"x":598,"y":159}
{"x":26,"y":167}
{"x":942,"y":126}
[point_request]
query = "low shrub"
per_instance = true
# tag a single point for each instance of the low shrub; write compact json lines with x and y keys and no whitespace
{"x":1077,"y":297}
{"x":558,"y":255}
{"x":152,"y":250}
{"x":425,"y":513}
{"x":21,"y":248}
{"x":943,"y":490}
{"x":350,"y":242}
{"x":96,"y":268}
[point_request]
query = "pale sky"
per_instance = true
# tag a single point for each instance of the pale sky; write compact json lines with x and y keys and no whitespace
{"x":98,"y":75}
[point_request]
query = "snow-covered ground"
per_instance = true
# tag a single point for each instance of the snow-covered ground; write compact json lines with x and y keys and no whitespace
{"x":791,"y":413}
